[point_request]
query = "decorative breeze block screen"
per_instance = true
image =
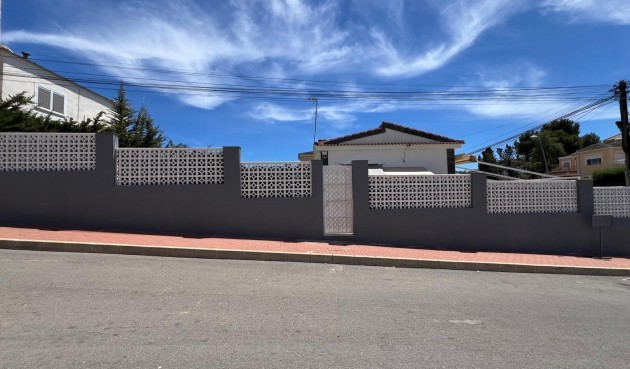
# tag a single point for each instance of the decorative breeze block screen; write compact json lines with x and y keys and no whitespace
{"x":275,"y":180}
{"x":424,"y":191}
{"x":613,"y":201}
{"x":509,"y":197}
{"x":164,"y":166}
{"x":47,"y":151}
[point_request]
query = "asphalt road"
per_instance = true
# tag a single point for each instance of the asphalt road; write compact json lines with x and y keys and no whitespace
{"x":64,"y":310}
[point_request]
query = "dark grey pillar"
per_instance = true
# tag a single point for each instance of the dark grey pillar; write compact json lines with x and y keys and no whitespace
{"x":360,"y":194}
{"x":232,"y":170}
{"x":585,"y":197}
{"x":450,"y":161}
{"x":317,"y":194}
{"x":479,"y":189}
{"x":106,"y":145}
{"x":317,"y":179}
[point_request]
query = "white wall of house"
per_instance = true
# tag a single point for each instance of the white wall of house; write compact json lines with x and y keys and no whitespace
{"x":391,"y":149}
{"x":431,"y":157}
{"x":619,"y":155}
{"x":20,"y":75}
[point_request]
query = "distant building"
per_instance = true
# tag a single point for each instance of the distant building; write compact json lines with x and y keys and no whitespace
{"x":390,"y":147}
{"x":52,"y":93}
{"x":585,"y":161}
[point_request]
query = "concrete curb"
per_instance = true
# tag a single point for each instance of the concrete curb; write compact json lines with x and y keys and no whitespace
{"x":184,"y":252}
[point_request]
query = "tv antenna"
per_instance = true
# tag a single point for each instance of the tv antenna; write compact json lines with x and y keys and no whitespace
{"x":315,"y":100}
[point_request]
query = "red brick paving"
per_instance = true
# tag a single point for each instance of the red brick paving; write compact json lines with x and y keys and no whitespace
{"x":303,"y":247}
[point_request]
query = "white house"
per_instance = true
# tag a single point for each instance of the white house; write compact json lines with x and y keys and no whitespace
{"x":391,"y":147}
{"x":52,"y":94}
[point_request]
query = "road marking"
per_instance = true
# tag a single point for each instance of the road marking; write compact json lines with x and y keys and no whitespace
{"x":465,"y":321}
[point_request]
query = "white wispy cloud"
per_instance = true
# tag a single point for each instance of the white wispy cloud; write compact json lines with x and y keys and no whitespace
{"x":463,"y":21}
{"x":497,"y":102}
{"x":258,"y":35}
{"x":612,"y":11}
{"x":270,"y":112}
{"x":500,"y":103}
{"x":285,"y":39}
{"x":337,"y":115}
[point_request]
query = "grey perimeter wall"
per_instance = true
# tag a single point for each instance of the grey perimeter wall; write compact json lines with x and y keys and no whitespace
{"x":91,"y":200}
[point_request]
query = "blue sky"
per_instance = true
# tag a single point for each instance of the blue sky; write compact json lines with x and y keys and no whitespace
{"x":360,"y":46}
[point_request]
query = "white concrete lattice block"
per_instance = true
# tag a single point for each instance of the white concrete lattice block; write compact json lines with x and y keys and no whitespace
{"x":422,"y":191}
{"x":513,"y":197}
{"x":613,"y":201}
{"x":47,"y":151}
{"x":169,"y":166}
{"x":286,"y":179}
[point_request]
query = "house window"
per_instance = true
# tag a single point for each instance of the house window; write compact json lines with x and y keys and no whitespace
{"x":50,"y":100}
{"x":594,"y":161}
{"x":566,"y":165}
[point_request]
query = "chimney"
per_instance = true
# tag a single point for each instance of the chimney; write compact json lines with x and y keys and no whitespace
{"x":25,"y":55}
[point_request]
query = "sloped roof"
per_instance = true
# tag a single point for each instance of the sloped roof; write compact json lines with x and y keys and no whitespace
{"x":57,"y":75}
{"x":600,"y":145}
{"x":381,"y":129}
{"x":614,"y":138}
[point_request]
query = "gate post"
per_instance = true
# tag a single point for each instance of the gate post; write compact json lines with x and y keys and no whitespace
{"x":360,"y":194}
{"x":317,"y":181}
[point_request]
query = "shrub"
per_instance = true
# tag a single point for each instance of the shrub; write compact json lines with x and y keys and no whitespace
{"x":611,"y":176}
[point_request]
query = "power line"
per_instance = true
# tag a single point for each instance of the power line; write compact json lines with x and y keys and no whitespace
{"x":278,"y":79}
{"x":452,"y":95}
{"x":546,"y":118}
{"x":529,"y":127}
{"x":419,"y":95}
{"x":591,"y":106}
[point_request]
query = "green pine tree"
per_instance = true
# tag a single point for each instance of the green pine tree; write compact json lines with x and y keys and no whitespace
{"x":171,"y":144}
{"x":17,"y":115}
{"x":143,"y":131}
{"x":488,"y":156}
{"x":121,"y":118}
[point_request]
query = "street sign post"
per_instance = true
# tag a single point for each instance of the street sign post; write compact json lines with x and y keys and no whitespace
{"x":601,"y":222}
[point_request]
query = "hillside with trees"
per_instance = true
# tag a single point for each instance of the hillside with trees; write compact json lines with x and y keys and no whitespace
{"x":558,"y":138}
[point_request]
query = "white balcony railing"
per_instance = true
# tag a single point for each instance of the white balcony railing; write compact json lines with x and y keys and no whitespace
{"x":619,"y":162}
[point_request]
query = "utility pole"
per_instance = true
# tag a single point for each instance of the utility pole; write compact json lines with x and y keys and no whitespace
{"x":621,"y":90}
{"x":315,"y":100}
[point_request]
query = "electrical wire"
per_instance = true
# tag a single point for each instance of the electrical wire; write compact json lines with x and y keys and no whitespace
{"x":593,"y":105}
{"x":278,"y":79}
{"x":292,"y":89}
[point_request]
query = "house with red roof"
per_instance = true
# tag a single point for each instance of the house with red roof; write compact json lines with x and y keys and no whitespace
{"x":390,"y":148}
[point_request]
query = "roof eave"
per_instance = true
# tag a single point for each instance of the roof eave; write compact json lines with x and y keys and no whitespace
{"x":382,"y":128}
{"x":56,"y":74}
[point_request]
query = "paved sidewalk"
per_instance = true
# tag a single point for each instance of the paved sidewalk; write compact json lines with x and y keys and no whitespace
{"x":302,"y":251}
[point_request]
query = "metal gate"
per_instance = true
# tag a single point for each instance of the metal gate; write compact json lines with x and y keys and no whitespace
{"x":338,"y":210}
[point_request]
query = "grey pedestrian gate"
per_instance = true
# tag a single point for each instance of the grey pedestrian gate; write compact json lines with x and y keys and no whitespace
{"x":338,"y":208}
